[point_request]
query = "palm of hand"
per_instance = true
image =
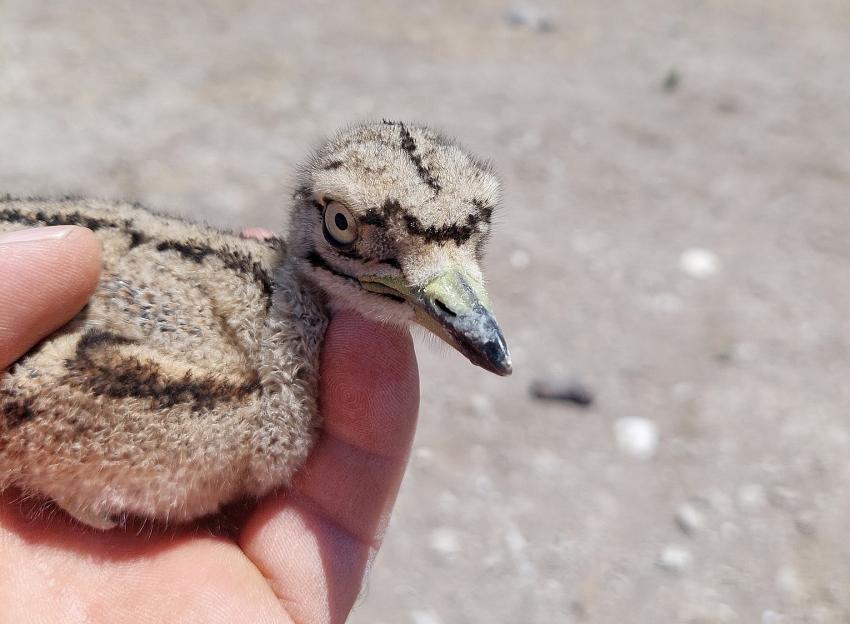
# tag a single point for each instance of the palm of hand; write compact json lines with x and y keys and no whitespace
{"x":299,"y":556}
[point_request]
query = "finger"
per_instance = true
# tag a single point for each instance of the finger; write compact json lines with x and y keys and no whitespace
{"x":315,"y":542}
{"x":46,"y":277}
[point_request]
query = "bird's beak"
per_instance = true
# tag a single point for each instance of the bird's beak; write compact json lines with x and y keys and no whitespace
{"x":455,"y":308}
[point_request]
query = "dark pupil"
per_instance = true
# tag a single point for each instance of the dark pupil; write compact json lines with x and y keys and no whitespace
{"x":341,"y":221}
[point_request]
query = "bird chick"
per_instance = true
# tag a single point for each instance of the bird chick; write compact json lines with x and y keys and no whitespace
{"x":191,"y":378}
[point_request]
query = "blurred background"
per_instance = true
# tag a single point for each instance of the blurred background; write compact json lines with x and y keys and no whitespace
{"x":674,"y":239}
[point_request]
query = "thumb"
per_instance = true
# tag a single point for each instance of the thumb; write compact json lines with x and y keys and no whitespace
{"x":46,"y":276}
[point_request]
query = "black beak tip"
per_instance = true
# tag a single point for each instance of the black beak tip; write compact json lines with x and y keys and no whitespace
{"x":478,"y":336}
{"x":496,"y":358}
{"x":504,"y":370}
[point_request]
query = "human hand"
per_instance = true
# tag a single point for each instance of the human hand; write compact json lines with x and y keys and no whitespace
{"x":299,"y":556}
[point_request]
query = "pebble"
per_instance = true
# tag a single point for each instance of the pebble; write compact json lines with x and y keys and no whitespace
{"x":445,"y":541}
{"x":637,"y":437}
{"x":519,"y":259}
{"x":675,"y":559}
{"x":671,"y":81}
{"x":526,"y":16}
{"x":751,"y":497}
{"x":515,"y":541}
{"x":788,"y":582}
{"x":483,"y":486}
{"x":699,"y":263}
{"x":481,"y":403}
{"x":771,"y":617}
{"x":425,"y":617}
{"x":566,"y":390}
{"x":423,"y":457}
{"x":688,"y":519}
{"x":805,"y":522}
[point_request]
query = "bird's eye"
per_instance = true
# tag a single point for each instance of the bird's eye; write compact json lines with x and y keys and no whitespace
{"x":340,"y":228}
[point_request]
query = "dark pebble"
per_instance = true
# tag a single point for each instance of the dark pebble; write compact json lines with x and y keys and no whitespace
{"x":564,"y":390}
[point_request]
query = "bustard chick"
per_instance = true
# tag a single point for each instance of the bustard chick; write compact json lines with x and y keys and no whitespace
{"x":190,"y":379}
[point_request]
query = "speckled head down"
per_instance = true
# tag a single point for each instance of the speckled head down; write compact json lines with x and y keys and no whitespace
{"x":191,"y":377}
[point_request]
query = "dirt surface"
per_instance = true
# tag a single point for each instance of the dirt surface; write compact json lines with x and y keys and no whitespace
{"x":675,"y":236}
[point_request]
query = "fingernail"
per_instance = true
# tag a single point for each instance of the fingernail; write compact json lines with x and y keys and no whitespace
{"x":54,"y":233}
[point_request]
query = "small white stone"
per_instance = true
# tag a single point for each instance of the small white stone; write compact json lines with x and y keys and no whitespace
{"x":700,"y":263}
{"x":481,"y":403}
{"x":688,"y":519}
{"x":637,"y":437}
{"x":445,"y":541}
{"x":674,"y":559}
{"x":520,"y":259}
{"x":771,"y":617}
{"x":751,"y":497}
{"x":425,"y":617}
{"x":523,"y":15}
{"x":515,"y":541}
{"x":423,"y":456}
{"x":788,"y":581}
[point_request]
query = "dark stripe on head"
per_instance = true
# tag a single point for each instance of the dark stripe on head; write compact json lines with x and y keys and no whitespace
{"x":484,"y":210}
{"x":374,"y":217}
{"x":316,"y":260}
{"x":409,"y":147}
{"x":302,"y":192}
{"x":352,"y":255}
{"x":459,"y":233}
{"x":305,"y":193}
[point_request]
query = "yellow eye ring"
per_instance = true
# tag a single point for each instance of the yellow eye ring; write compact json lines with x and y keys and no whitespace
{"x":339,"y":225}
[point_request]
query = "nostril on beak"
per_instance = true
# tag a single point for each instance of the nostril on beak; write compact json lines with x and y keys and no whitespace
{"x":444,"y":307}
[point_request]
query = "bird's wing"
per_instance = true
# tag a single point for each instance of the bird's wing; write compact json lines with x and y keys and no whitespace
{"x":175,"y":316}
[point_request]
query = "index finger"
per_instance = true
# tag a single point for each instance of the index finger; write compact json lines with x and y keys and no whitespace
{"x":314,"y":543}
{"x":46,"y":276}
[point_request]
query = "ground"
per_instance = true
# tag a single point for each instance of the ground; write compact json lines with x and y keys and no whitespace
{"x":675,"y":235}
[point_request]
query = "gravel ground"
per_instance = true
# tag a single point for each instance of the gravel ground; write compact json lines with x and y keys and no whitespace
{"x":675,"y":237}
